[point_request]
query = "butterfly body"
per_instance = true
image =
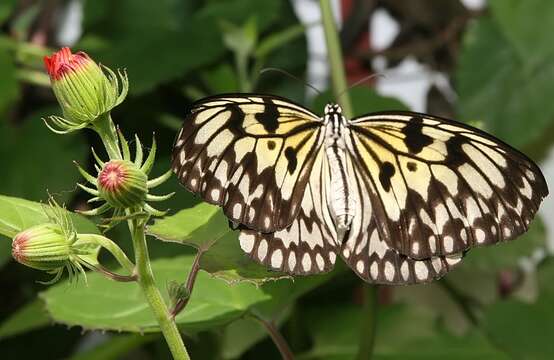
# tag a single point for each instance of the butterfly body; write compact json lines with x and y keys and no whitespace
{"x":399,"y":196}
{"x":342,"y":201}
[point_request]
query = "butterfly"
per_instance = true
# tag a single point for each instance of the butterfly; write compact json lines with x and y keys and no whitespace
{"x":399,"y":196}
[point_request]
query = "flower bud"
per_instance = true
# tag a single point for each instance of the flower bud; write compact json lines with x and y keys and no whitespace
{"x":42,"y":247}
{"x":84,"y":91}
{"x":122,"y":184}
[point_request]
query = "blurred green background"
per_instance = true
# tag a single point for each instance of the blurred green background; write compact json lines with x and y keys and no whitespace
{"x":495,"y":65}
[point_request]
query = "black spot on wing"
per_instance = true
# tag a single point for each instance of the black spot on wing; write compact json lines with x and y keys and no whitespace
{"x":290,"y":154}
{"x":236,"y":119}
{"x":415,"y":139}
{"x":456,"y":155}
{"x":387,"y":171}
{"x":412,"y":166}
{"x":269,"y":117}
{"x":271,"y":144}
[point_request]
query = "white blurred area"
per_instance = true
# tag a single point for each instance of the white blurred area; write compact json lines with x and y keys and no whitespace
{"x":409,"y":81}
{"x":71,"y":23}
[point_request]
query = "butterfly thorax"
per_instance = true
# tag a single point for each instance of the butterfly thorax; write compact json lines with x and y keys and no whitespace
{"x":341,"y":202}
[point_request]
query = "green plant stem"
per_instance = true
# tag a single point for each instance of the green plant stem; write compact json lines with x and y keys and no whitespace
{"x":242,"y":70}
{"x":338,"y":77}
{"x":115,"y":250}
{"x":367,"y":338}
{"x":107,"y":131}
{"x":105,"y":128}
{"x":153,"y":297}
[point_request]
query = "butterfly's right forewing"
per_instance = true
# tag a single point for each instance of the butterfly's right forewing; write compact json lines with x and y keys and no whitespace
{"x":249,"y":154}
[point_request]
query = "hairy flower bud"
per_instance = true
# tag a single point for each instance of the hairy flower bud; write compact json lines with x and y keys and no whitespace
{"x":84,"y":89}
{"x":42,"y":247}
{"x":122,"y":184}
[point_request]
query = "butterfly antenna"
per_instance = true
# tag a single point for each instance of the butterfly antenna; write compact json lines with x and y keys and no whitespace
{"x":361,"y":81}
{"x":284,"y":72}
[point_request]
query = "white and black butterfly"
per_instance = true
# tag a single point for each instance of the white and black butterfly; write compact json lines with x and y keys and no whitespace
{"x":400,"y":196}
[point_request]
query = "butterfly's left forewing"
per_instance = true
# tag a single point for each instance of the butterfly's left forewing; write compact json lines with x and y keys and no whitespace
{"x":249,"y":154}
{"x":438,"y":187}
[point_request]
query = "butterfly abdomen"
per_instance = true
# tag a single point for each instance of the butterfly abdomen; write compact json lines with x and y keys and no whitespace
{"x":342,"y":200}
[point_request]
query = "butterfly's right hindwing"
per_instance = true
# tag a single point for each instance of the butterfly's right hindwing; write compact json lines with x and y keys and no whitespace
{"x":249,"y":154}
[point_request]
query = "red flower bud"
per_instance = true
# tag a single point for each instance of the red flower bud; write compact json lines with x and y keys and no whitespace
{"x":84,"y":89}
{"x":63,"y":62}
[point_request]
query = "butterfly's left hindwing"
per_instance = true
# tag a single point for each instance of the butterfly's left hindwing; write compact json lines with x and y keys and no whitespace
{"x":309,"y":245}
{"x":249,"y":154}
{"x":438,"y":187}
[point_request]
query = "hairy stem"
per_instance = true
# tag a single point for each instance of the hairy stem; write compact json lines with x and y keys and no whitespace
{"x":338,"y":78}
{"x":107,"y":131}
{"x":278,"y":339}
{"x":153,"y":297}
{"x":335,"y":58}
{"x":190,"y":284}
{"x":105,"y":128}
{"x":112,"y":247}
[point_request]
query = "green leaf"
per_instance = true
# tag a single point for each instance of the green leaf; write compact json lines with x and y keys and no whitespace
{"x":546,"y":275}
{"x":109,"y":305}
{"x":523,"y":329}
{"x":199,"y":226}
{"x":37,"y":159}
{"x":117,"y":347}
{"x":239,"y":336}
{"x":9,"y":87}
{"x":6,"y":9}
{"x":507,"y":90}
{"x":364,"y":100}
{"x":29,"y":317}
{"x":205,"y":227}
{"x":172,"y":41}
{"x":227,"y":261}
{"x":221,"y":79}
{"x":18,"y":214}
{"x":264,"y":12}
{"x":518,"y":22}
{"x":404,"y":333}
